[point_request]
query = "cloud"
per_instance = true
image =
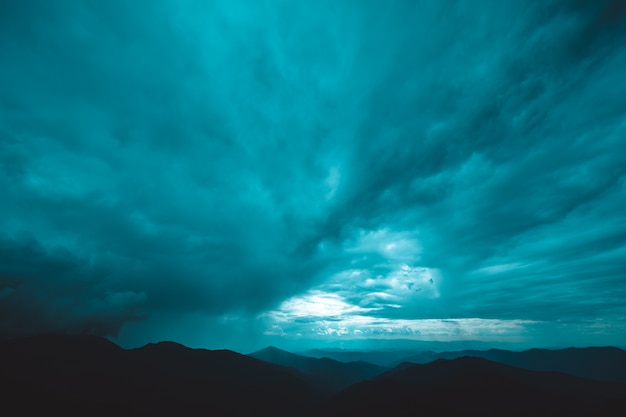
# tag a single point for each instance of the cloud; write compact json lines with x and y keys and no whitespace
{"x":72,"y":295}
{"x":186,"y":162}
{"x":319,"y":315}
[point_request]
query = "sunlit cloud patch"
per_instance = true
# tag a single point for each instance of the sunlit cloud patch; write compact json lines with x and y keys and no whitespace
{"x":319,"y":314}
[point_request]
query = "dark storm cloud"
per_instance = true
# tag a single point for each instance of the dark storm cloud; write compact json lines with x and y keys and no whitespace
{"x":126,"y":144}
{"x":414,"y":160}
{"x":52,"y":290}
{"x":500,"y":149}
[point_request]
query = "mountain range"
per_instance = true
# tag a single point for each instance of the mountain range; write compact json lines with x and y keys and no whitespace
{"x":328,"y":375}
{"x":601,"y":363}
{"x":469,"y":386}
{"x":88,"y":375}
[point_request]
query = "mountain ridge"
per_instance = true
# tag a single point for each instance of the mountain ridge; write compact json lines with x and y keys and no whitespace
{"x":603,"y":363}
{"x":78,"y":375}
{"x":328,"y":374}
{"x":474,"y":386}
{"x":73,"y":374}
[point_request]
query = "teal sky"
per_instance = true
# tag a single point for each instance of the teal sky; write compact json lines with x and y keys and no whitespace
{"x":312,"y":173}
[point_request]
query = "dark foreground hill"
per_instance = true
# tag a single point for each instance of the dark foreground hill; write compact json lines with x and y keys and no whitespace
{"x":330,"y":376}
{"x":84,"y":375}
{"x":476,"y":387}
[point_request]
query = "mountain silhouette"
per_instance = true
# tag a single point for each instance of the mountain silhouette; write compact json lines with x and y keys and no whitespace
{"x":601,"y":363}
{"x":473,"y":386}
{"x":87,"y":375}
{"x":328,"y":375}
{"x":384,"y":358}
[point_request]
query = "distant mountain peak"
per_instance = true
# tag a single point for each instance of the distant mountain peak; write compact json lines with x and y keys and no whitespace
{"x":273,"y":350}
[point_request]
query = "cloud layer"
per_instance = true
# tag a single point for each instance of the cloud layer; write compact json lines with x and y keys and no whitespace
{"x":244,"y":162}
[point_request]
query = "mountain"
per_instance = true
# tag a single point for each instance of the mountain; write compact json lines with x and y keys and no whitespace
{"x":473,"y":386}
{"x":329,"y":375}
{"x":87,"y":375}
{"x":601,"y":363}
{"x":388,"y":353}
{"x":384,"y":358}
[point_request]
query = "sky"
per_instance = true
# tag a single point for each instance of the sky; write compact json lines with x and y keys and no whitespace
{"x":233,"y":174}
